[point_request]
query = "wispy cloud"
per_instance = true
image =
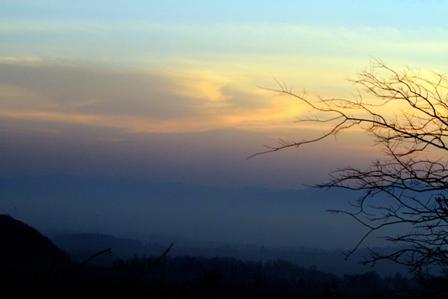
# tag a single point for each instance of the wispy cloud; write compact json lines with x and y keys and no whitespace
{"x":133,"y":100}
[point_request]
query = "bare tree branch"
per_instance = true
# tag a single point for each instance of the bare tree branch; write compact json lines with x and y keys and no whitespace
{"x":406,"y":113}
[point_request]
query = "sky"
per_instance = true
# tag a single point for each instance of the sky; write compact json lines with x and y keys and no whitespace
{"x":113,"y":76}
{"x":175,"y":91}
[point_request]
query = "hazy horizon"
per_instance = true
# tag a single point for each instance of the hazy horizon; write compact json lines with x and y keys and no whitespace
{"x":156,"y":92}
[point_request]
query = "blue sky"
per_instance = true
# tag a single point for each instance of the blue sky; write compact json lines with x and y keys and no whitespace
{"x":401,"y":13}
{"x":127,"y":32}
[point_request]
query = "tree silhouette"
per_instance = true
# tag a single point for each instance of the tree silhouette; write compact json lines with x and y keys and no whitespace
{"x":406,"y":112}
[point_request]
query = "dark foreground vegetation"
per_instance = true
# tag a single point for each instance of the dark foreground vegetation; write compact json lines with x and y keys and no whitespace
{"x":32,"y":265}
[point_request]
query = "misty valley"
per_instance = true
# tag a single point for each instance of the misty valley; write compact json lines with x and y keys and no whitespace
{"x":204,"y":260}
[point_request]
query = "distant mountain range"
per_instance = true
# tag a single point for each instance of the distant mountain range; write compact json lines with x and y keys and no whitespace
{"x":246,"y":223}
{"x":81,"y":246}
{"x":138,"y":209}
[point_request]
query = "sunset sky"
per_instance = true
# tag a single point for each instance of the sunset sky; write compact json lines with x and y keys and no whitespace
{"x":171,"y":90}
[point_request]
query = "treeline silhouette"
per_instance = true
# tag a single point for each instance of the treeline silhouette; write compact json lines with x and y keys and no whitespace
{"x":31,"y":265}
{"x":193,"y":277}
{"x":199,"y":277}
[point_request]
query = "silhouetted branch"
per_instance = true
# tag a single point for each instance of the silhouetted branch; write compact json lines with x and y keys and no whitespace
{"x":154,"y":263}
{"x":129,"y":287}
{"x":94,"y":256}
{"x":77,"y":268}
{"x":406,"y":114}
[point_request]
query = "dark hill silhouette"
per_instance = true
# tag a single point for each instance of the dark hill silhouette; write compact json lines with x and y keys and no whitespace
{"x":25,"y":253}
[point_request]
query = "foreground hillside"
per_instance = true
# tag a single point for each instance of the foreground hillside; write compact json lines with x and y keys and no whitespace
{"x":25,"y":253}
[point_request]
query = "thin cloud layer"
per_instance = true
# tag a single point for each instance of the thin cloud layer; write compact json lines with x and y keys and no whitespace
{"x":134,"y":100}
